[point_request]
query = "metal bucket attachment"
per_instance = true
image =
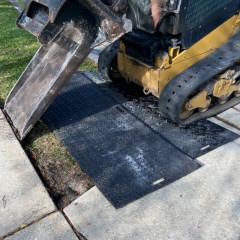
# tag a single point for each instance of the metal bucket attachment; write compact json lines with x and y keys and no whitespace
{"x":67,"y":38}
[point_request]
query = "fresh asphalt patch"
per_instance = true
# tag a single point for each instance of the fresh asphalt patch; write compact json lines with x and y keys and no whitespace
{"x":125,"y":154}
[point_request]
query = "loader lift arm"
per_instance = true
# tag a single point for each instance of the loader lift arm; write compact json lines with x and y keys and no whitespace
{"x":68,"y":31}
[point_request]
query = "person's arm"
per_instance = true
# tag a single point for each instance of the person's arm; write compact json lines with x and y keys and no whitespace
{"x":156,"y":6}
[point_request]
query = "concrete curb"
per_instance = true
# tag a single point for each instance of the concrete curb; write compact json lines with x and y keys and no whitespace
{"x":23,"y":198}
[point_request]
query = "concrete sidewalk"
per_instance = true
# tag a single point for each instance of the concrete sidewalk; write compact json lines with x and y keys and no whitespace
{"x":23,"y":198}
{"x":202,"y":205}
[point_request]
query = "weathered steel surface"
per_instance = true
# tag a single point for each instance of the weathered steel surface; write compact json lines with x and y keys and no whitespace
{"x":50,"y":68}
{"x":67,"y":40}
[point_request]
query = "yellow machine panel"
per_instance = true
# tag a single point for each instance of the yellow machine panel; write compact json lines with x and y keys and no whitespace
{"x":168,"y":65}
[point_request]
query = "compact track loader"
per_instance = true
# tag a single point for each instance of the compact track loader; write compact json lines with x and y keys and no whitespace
{"x":185,"y":52}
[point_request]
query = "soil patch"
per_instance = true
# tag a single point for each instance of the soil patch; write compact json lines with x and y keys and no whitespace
{"x":62,"y":176}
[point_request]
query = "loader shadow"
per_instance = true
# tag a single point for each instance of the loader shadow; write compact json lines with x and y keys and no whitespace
{"x":75,"y":103}
{"x":125,"y":156}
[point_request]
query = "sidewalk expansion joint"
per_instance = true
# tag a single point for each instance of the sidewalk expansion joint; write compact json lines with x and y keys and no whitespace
{"x":23,"y":226}
{"x":227,"y":122}
{"x":78,"y":234}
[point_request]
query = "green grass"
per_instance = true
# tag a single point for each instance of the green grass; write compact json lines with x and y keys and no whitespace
{"x":88,"y":65}
{"x":16,"y":49}
{"x":46,"y":148}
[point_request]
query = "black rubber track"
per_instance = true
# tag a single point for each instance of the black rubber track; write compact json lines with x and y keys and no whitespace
{"x":177,"y":91}
{"x":106,"y":58}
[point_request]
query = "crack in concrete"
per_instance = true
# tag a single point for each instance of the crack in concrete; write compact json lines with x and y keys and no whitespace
{"x":23,"y":226}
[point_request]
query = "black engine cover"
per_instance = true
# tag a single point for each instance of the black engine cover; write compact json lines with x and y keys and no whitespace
{"x":142,"y":46}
